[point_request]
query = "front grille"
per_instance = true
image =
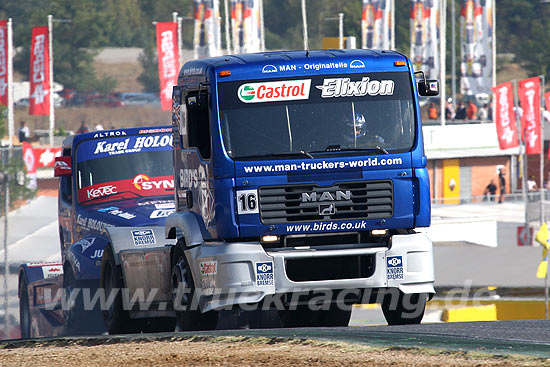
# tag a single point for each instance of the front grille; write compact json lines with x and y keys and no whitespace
{"x":330,"y":268}
{"x":286,"y":204}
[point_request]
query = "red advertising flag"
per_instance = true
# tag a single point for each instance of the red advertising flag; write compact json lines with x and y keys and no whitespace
{"x":547,"y":101}
{"x":39,"y":101}
{"x":4,"y":62}
{"x":168,"y":59}
{"x":504,"y":113}
{"x":529,"y":96}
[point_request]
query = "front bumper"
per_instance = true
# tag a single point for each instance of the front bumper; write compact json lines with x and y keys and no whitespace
{"x":237,"y":273}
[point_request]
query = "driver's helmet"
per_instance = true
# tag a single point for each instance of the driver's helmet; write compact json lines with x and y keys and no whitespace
{"x":355,"y":128}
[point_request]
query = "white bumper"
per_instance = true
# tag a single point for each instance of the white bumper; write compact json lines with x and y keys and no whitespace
{"x":233,"y":273}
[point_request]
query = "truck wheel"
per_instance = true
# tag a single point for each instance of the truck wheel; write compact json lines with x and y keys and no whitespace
{"x":188,"y":315}
{"x":116,"y":319}
{"x":24,"y":309}
{"x":74,"y":312}
{"x":406,"y":309}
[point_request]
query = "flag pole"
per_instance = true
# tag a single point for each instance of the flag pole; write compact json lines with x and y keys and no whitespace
{"x":542,"y":214}
{"x":442,"y":40}
{"x":50,"y":49}
{"x":392,"y":28}
{"x":227,"y":35}
{"x":11,"y":128}
{"x":304,"y":21}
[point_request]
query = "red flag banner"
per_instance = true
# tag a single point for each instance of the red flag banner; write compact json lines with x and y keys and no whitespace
{"x":504,"y":114}
{"x":529,"y":96}
{"x":547,"y":101}
{"x":39,"y":101}
{"x":4,"y":62}
{"x":168,"y":56}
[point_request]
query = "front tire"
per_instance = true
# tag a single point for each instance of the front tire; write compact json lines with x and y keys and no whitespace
{"x":404,"y":309}
{"x":116,"y":319}
{"x":24,"y":309}
{"x":188,"y":315}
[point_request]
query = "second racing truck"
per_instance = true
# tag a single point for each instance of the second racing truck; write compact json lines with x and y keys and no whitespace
{"x":114,"y":186}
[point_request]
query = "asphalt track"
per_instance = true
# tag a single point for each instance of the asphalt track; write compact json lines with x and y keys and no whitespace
{"x":495,"y":338}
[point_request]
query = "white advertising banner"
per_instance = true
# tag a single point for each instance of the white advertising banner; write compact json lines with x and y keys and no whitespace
{"x":476,"y":34}
{"x":376,"y":25}
{"x":245,"y":24}
{"x":207,"y":33}
{"x":425,"y":37}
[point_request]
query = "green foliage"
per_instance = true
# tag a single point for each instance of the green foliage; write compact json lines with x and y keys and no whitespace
{"x":60,"y":131}
{"x":149,"y":77}
{"x":14,"y":167}
{"x":3,"y":119}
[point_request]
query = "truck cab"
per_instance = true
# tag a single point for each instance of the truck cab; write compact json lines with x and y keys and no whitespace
{"x":301,"y":170}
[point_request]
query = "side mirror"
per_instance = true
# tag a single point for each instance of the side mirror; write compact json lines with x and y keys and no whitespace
{"x":62,"y":166}
{"x":428,"y":88}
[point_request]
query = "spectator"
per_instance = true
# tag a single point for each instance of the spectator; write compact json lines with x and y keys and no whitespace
{"x":449,"y":110}
{"x":483,"y":112}
{"x":531,"y":187}
{"x":83,"y":128}
{"x":461,"y":111}
{"x":432,"y":111}
{"x":24,"y":132}
{"x":531,"y":184}
{"x":471,"y":111}
{"x":502,"y":182}
{"x":490,"y":191}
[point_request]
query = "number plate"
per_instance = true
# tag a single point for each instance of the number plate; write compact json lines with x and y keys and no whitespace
{"x":247,"y":201}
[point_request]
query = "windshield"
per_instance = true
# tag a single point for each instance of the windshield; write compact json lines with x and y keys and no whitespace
{"x":322,"y":113}
{"x":121,"y":168}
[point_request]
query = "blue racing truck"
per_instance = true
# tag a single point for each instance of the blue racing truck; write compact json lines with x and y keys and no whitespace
{"x":113,"y":185}
{"x":300,"y":178}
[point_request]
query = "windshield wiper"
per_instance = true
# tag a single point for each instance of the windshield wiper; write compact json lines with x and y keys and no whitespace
{"x":337,"y":148}
{"x":301,"y":153}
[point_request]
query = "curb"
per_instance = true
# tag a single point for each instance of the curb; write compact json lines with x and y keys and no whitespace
{"x":498,"y":310}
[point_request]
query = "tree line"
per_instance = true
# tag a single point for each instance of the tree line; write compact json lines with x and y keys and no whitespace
{"x":522,"y":29}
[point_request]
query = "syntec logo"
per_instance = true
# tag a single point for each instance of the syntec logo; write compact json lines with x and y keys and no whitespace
{"x":144,"y":182}
{"x":139,"y":180}
{"x":101,"y":191}
{"x":288,"y":90}
{"x":343,"y":87}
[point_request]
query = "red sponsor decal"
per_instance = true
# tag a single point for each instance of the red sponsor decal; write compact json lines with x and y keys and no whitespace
{"x":529,"y":95}
{"x":208,"y":267}
{"x":4,"y":62}
{"x":140,"y":185}
{"x":62,"y":166}
{"x":504,"y":113}
{"x":39,"y":76}
{"x":168,"y":60}
{"x":154,"y":131}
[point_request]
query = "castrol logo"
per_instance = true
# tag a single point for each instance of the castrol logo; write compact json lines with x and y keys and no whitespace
{"x":288,"y":90}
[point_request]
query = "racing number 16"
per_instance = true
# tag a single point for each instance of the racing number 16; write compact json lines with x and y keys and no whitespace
{"x":247,"y":201}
